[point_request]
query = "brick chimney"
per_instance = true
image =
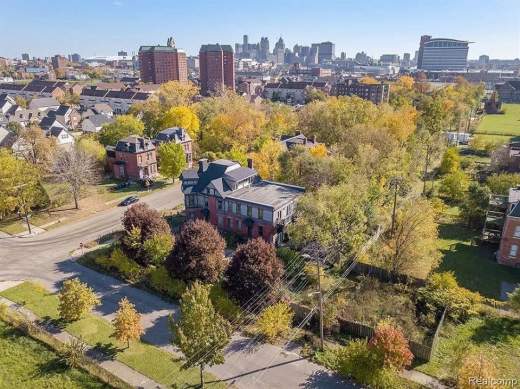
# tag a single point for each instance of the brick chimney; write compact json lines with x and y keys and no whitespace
{"x":250,"y":163}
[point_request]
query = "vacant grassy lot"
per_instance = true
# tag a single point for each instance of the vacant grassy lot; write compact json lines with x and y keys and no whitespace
{"x":27,"y":363}
{"x":502,"y":124}
{"x":498,"y":338}
{"x":473,"y":265}
{"x":143,"y":357}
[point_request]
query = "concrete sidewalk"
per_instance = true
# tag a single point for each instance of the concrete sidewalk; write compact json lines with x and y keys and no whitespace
{"x":124,"y":372}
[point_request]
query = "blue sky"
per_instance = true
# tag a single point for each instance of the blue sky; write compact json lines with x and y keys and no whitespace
{"x":102,"y":27}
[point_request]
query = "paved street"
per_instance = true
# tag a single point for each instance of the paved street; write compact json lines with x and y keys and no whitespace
{"x":46,"y":258}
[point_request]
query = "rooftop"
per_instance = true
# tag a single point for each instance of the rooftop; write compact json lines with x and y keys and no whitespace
{"x":272,"y":194}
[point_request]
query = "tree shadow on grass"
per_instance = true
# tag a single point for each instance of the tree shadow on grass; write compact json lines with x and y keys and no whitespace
{"x":53,"y":366}
{"x":496,"y":330}
{"x":52,"y":325}
{"x":104,"y":351}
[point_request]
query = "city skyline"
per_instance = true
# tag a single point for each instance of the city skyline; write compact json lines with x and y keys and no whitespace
{"x":128,"y":24}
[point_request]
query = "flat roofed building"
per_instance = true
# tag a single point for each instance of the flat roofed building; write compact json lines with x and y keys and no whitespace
{"x":442,"y":54}
{"x":160,"y":64}
{"x":217,"y":68}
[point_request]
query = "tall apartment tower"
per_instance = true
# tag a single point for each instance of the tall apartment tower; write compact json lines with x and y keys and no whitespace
{"x":217,"y":68}
{"x":160,"y":64}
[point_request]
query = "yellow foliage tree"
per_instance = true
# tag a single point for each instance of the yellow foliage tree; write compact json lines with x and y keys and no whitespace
{"x":176,"y":93}
{"x":368,"y":80}
{"x":76,"y":299}
{"x":181,"y":116}
{"x":266,"y":159}
{"x":477,"y":371}
{"x":127,"y":322}
{"x":319,"y":150}
{"x":400,"y":122}
{"x":275,"y":321}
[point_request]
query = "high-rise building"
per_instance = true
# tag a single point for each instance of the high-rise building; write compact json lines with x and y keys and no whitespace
{"x":326,"y":52}
{"x":25,"y":57}
{"x":389,"y":59}
{"x":483,"y":60}
{"x":264,"y":48}
{"x":58,"y":62}
{"x":406,"y":62}
{"x":217,"y":68}
{"x":343,"y":56}
{"x":76,"y":58}
{"x":159,"y":64}
{"x":122,"y":53}
{"x":442,"y":54}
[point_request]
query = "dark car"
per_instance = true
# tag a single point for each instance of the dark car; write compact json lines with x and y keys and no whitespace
{"x":128,"y":201}
{"x":122,"y":185}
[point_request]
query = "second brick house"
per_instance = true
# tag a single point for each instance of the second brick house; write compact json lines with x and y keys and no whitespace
{"x":133,"y":158}
{"x":236,"y":200}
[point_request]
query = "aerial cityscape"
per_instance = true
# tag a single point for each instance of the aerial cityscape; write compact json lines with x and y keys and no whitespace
{"x":264,"y":195}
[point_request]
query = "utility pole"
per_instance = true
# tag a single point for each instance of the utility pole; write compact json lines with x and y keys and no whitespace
{"x":320,"y":294}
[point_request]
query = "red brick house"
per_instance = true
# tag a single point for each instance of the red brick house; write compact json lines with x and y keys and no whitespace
{"x":508,"y":252}
{"x":234,"y":199}
{"x":133,"y":158}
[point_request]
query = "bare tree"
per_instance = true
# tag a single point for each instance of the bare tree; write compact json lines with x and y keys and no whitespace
{"x":75,"y":168}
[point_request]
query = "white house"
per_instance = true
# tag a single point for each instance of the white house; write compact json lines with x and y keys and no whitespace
{"x":62,"y":136}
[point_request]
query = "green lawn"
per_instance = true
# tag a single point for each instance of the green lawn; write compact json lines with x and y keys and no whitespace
{"x":506,"y":124}
{"x":498,"y":338}
{"x":145,"y":358}
{"x":474,"y":266}
{"x":27,"y":363}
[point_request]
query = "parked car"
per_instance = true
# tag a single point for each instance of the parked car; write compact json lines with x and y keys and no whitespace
{"x":128,"y":201}
{"x":122,"y":185}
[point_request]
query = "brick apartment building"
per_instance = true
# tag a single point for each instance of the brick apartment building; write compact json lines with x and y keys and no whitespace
{"x":217,"y":68}
{"x":160,"y":64}
{"x":234,"y":199}
{"x":133,"y":158}
{"x":508,"y":252}
{"x":376,"y":93}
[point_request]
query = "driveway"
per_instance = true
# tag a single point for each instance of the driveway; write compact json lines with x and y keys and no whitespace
{"x":46,"y":258}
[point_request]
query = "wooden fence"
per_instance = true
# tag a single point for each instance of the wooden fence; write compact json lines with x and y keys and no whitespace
{"x":422,"y":351}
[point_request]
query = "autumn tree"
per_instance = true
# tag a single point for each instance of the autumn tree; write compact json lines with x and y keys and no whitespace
{"x":19,"y":100}
{"x":158,"y":247}
{"x":75,"y":168}
{"x":176,"y":93}
{"x":123,"y":126}
{"x":183,"y":117}
{"x":35,"y":147}
{"x":450,"y":161}
{"x":281,"y":119}
{"x":229,"y":121}
{"x":254,"y":269}
{"x":501,"y":183}
{"x":20,"y":189}
{"x":266,"y":159}
{"x":76,"y":299}
{"x":127,"y":322}
{"x":198,"y":253}
{"x":411,"y":248}
{"x":336,"y":218}
{"x":93,"y":148}
{"x":172,"y":159}
{"x":329,"y":119}
{"x":275,"y":321}
{"x":201,"y":333}
{"x":454,"y":185}
{"x":389,"y":341}
{"x":141,"y":223}
{"x":476,"y":371}
{"x":368,"y":80}
{"x":474,"y":206}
